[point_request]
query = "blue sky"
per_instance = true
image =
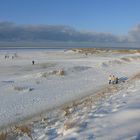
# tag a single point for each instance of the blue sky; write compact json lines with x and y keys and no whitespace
{"x":114,"y":16}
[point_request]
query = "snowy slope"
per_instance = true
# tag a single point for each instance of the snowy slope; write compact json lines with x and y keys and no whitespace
{"x":113,"y":115}
{"x":114,"y":118}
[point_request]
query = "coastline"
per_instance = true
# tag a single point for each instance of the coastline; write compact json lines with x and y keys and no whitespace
{"x":92,"y":66}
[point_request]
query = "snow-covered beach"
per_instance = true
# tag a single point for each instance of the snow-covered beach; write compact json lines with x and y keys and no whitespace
{"x":27,"y":90}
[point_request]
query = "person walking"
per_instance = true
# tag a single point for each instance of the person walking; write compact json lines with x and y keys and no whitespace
{"x":113,"y":79}
{"x":33,"y":62}
{"x":109,"y":79}
{"x":116,"y":80}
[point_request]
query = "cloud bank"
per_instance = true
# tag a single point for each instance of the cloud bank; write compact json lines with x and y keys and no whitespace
{"x":11,"y":32}
{"x":134,"y":34}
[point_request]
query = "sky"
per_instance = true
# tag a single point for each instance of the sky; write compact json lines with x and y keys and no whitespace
{"x":95,"y":21}
{"x":112,"y":16}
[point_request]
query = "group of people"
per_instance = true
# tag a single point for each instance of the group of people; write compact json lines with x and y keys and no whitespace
{"x":113,"y":80}
{"x":7,"y":56}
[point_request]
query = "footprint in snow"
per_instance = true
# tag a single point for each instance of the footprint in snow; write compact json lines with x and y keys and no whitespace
{"x":99,"y":115}
{"x":118,"y":106}
{"x":132,"y":90}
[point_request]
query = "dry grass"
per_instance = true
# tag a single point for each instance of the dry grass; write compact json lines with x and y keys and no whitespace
{"x":100,"y":50}
{"x":126,"y":59}
{"x":138,"y":51}
{"x":69,"y":125}
{"x":66,"y":111}
{"x":102,"y":93}
{"x":23,"y":129}
{"x":61,"y":72}
{"x":124,"y":51}
{"x":87,"y":51}
{"x":18,"y":88}
{"x":135,"y":77}
{"x":54,"y":72}
{"x":58,"y":72}
{"x":3,"y":135}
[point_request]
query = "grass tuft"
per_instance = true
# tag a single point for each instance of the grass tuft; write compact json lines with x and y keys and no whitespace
{"x":3,"y":136}
{"x":69,"y":125}
{"x":23,"y":129}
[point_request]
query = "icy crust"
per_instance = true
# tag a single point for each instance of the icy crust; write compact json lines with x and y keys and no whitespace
{"x":26,"y":89}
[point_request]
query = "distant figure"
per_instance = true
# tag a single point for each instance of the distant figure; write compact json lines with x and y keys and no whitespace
{"x":109,"y":79}
{"x":61,"y":72}
{"x":15,"y":55}
{"x":33,"y":62}
{"x":117,"y":80}
{"x":113,"y":79}
{"x":12,"y":57}
{"x":6,"y":56}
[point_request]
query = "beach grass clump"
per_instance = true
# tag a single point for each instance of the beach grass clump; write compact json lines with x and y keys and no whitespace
{"x":126,"y":51}
{"x":69,"y":125}
{"x":54,"y":72}
{"x":60,"y":72}
{"x":3,"y":135}
{"x":66,"y":111}
{"x":104,"y":50}
{"x":138,"y":51}
{"x":23,"y":129}
{"x":20,"y":88}
{"x":87,"y":51}
{"x":125,"y":59}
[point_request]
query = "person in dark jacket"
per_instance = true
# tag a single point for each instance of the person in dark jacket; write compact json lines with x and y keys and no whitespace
{"x":109,"y":79}
{"x":33,"y":62}
{"x":117,"y":80}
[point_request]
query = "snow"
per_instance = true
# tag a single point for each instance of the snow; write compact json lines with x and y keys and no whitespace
{"x":27,"y":90}
{"x":115,"y":117}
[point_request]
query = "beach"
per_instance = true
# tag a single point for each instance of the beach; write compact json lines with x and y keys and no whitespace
{"x":69,"y":91}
